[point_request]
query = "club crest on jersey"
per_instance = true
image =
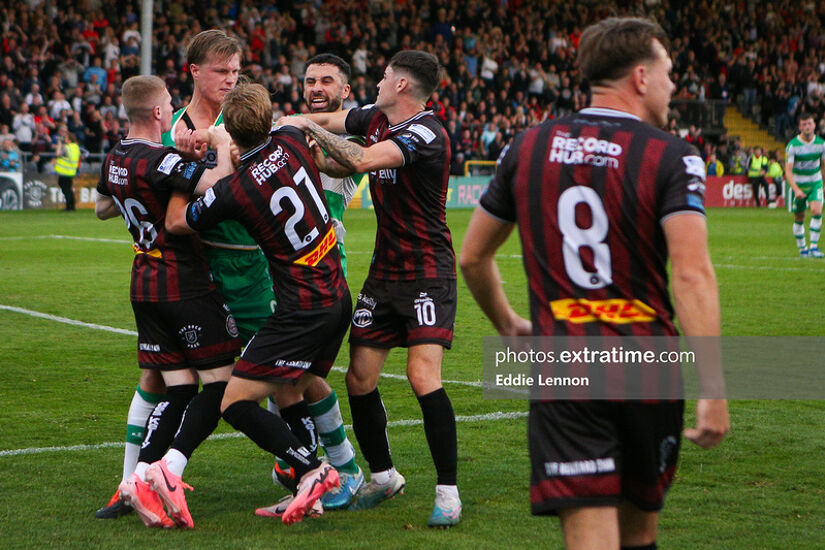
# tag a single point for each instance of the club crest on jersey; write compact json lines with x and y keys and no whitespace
{"x":191,"y":335}
{"x":362,"y":318}
{"x":231,"y":326}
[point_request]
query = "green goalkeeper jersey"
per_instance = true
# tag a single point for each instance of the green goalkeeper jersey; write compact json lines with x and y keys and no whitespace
{"x":806,"y":160}
{"x":228,"y":234}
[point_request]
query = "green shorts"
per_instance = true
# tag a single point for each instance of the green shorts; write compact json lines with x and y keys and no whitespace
{"x":243,"y":279}
{"x":813,"y":193}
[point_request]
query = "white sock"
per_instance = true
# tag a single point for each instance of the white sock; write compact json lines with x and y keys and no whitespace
{"x":448,"y":493}
{"x":175,"y":461}
{"x":816,"y":227}
{"x":799,"y":234}
{"x":140,"y":470}
{"x":139,"y":411}
{"x":382,"y":477}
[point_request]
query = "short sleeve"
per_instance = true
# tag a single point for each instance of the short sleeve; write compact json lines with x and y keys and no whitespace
{"x":421,"y":139}
{"x":683,"y":181}
{"x":215,"y":206}
{"x":498,"y":200}
{"x":176,"y":174}
{"x":358,"y":119}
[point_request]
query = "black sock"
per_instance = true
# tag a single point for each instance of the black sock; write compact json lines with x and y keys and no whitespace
{"x":271,"y":434}
{"x":651,"y":546}
{"x":301,"y":423}
{"x":369,"y":422}
{"x":200,"y":418}
{"x":439,"y":425}
{"x":164,"y":421}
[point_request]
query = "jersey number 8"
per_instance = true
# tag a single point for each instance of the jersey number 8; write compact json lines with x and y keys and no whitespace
{"x":593,"y":237}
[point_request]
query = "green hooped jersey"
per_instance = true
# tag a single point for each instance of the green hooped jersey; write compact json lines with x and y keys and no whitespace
{"x":806,"y":159}
{"x":227,"y":234}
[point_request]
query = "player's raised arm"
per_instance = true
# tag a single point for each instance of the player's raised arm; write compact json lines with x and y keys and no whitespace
{"x":696,"y":301}
{"x":219,"y":140}
{"x":350,"y":155}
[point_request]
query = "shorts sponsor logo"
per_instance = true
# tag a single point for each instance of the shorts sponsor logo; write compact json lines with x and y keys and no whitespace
{"x":368,"y":301}
{"x":191,"y":335}
{"x":231,"y":326}
{"x":149,"y":347}
{"x":617,"y":310}
{"x":301,"y":454}
{"x":580,"y":467}
{"x":362,"y":318}
{"x":169,"y":162}
{"x":293,"y":364}
{"x":667,"y":448}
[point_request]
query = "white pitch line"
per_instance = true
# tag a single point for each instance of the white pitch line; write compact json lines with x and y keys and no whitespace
{"x":67,"y":320}
{"x":810,"y":269}
{"x":488,"y":417}
{"x":476,"y":384}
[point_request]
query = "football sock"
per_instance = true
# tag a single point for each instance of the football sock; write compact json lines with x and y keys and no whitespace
{"x":300,"y":421}
{"x":199,"y":419}
{"x":330,"y":424}
{"x":651,"y":546}
{"x":164,"y":421}
{"x":382,"y":477}
{"x":369,"y":422}
{"x":815,"y":228}
{"x":271,"y":434}
{"x":799,"y":234}
{"x":175,"y":461}
{"x":143,"y":403}
{"x":439,"y":425}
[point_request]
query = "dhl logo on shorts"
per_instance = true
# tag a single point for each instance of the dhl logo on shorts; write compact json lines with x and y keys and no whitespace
{"x":320,"y":251}
{"x":155,"y":253}
{"x":616,"y":310}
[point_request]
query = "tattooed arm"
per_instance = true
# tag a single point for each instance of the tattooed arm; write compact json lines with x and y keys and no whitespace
{"x":349,"y":155}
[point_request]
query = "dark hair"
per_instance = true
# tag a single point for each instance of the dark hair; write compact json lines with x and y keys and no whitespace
{"x":423,"y":67}
{"x":332,"y":59}
{"x":610,"y":48}
{"x":212,"y":42}
{"x":806,"y":116}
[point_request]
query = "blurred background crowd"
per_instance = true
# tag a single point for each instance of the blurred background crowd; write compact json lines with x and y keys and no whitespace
{"x":509,"y":64}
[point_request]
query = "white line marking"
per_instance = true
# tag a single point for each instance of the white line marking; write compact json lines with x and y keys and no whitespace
{"x":488,"y":417}
{"x":811,"y":269}
{"x":476,"y":384}
{"x":67,"y":321}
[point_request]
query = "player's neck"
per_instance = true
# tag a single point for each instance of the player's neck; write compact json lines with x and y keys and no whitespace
{"x":148,"y":132}
{"x":803,"y":139}
{"x":617,"y":102}
{"x":402,"y":111}
{"x":202,"y":112}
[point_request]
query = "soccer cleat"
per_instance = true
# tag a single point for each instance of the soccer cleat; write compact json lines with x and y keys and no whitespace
{"x":814,"y":252}
{"x":804,"y":253}
{"x":114,"y":509}
{"x":277,"y":510}
{"x":341,"y":497}
{"x":447,"y":510}
{"x":170,"y":489}
{"x":372,"y":494}
{"x":313,"y":485}
{"x":284,"y":476}
{"x":140,"y":496}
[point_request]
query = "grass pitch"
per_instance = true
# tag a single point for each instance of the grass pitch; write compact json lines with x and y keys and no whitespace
{"x":65,"y":390}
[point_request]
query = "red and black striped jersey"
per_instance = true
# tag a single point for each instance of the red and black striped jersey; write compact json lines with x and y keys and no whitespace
{"x":589,"y":193}
{"x":413,"y":240}
{"x":140,"y":176}
{"x":277,"y":196}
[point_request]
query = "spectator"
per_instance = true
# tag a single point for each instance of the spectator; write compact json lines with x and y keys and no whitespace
{"x":9,"y":157}
{"x":714,"y":167}
{"x":24,"y":126}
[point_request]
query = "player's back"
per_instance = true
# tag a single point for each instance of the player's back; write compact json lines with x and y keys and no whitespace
{"x":278,"y":197}
{"x":140,"y":176}
{"x":589,"y":192}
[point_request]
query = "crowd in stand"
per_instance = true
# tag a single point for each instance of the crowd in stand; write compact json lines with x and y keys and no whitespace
{"x":509,"y":65}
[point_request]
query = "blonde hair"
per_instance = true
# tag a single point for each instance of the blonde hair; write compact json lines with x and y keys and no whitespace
{"x":247,"y":114}
{"x":140,"y":95}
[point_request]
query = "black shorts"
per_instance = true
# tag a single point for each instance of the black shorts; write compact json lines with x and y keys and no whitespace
{"x":404,"y":314}
{"x":198,"y":333}
{"x":597,"y":453}
{"x":292,"y":342}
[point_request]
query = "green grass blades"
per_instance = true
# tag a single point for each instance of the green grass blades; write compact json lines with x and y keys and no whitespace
{"x":65,"y":390}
